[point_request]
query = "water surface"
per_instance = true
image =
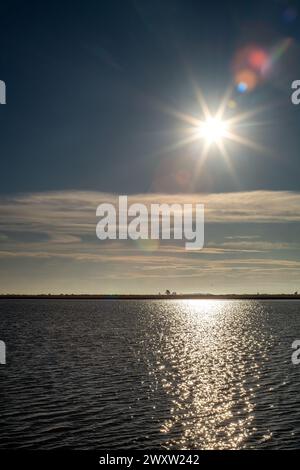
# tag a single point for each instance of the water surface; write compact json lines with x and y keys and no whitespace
{"x":149,"y":374}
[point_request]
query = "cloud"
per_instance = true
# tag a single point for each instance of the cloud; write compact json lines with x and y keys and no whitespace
{"x":62,"y":225}
{"x":48,"y":243}
{"x":257,"y":246}
{"x":75,"y":210}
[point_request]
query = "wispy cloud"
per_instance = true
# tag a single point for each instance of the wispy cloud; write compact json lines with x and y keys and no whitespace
{"x":61,"y":226}
{"x":75,"y":210}
{"x":69,"y":217}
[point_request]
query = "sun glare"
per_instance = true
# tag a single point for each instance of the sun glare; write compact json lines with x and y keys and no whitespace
{"x":213,"y":130}
{"x":218,"y":130}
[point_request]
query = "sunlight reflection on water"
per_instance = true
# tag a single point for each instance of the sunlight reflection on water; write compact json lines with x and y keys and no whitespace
{"x":201,"y":366}
{"x":143,"y":375}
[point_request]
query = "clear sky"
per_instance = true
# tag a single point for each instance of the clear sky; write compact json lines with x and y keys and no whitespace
{"x":100,"y":97}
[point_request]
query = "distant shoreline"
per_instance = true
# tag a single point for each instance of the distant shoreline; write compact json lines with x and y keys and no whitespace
{"x":153,"y":297}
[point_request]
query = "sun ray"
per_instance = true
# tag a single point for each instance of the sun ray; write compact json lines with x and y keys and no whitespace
{"x":247,"y":142}
{"x":225,"y":155}
{"x":250,"y":114}
{"x":221,"y":111}
{"x":203,"y":105}
{"x":181,"y":116}
{"x":213,"y":129}
{"x":180,"y":143}
{"x":199,"y":165}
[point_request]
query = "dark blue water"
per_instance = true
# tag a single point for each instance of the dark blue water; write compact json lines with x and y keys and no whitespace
{"x":149,"y":374}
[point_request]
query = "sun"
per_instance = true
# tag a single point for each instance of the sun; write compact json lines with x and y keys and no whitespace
{"x":213,"y":130}
{"x":217,"y":130}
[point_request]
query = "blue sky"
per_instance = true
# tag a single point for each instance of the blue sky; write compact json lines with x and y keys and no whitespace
{"x":94,"y":92}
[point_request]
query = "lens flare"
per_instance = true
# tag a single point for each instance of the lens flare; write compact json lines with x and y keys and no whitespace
{"x":246,"y":80}
{"x":258,"y":59}
{"x":280,"y":50}
{"x":249,"y":67}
